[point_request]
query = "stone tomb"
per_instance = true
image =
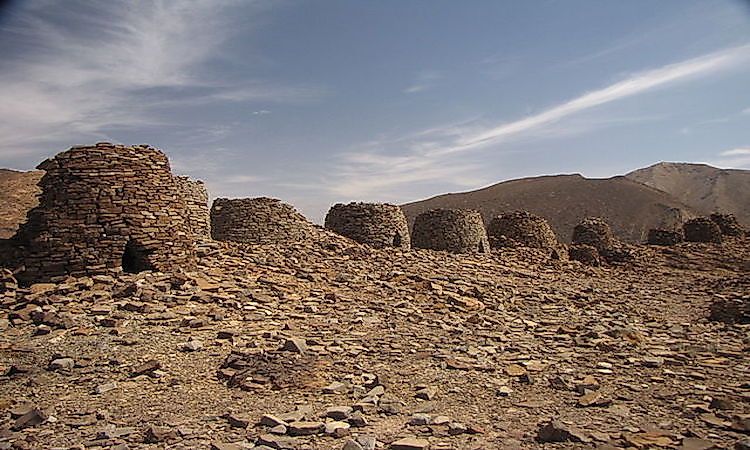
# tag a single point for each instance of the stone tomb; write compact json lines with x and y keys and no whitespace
{"x":452,"y":230}
{"x":103,"y":208}
{"x":379,"y":225}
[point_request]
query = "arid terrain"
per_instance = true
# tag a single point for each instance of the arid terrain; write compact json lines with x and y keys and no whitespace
{"x":329,"y":344}
{"x":18,"y":191}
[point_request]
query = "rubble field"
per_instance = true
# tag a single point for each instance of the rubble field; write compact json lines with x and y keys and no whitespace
{"x":329,"y":344}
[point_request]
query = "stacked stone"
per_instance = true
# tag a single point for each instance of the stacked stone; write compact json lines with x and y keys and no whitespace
{"x":731,"y":310}
{"x":728,"y":224}
{"x":702,"y":229}
{"x":593,"y":231}
{"x":196,"y":200}
{"x":453,"y":230}
{"x":659,"y":236}
{"x":259,"y":220}
{"x":379,"y":225}
{"x":521,"y":229}
{"x":103,"y":208}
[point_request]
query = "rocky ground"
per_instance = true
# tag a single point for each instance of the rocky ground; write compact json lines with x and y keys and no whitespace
{"x":333,"y":345}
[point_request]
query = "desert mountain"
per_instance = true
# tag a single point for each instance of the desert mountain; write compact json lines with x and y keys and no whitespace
{"x":630,"y":207}
{"x":706,"y":189}
{"x":18,"y":192}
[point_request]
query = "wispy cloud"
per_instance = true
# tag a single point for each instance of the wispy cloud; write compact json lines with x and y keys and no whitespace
{"x":743,"y":151}
{"x":425,"y":80}
{"x":738,"y":158}
{"x":81,"y":70}
{"x":441,"y":154}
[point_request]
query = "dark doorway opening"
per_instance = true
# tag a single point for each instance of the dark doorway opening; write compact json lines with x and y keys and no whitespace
{"x":397,"y":240}
{"x":135,"y":258}
{"x":481,"y":247}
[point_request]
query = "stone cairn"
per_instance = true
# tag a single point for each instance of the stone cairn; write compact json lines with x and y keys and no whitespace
{"x":594,"y":232}
{"x":379,"y":225}
{"x":521,"y":229}
{"x":196,"y":200}
{"x":104,"y":208}
{"x":260,"y":220}
{"x":660,"y":236}
{"x":702,"y":229}
{"x":453,"y":230}
{"x":728,"y":224}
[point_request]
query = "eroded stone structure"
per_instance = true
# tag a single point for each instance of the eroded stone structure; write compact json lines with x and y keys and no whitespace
{"x":728,"y":224}
{"x":260,"y":220}
{"x":376,"y":224}
{"x":196,"y":201}
{"x":702,"y":229}
{"x":453,"y":230}
{"x":660,"y":236}
{"x":594,"y":231}
{"x":584,"y":253}
{"x":520,"y":229}
{"x":103,"y":208}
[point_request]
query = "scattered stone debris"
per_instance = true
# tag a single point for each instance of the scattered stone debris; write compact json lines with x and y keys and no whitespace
{"x":326,"y":343}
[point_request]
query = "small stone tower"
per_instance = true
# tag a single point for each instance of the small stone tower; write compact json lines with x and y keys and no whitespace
{"x":595,"y":232}
{"x":103,"y":208}
{"x":377,"y":224}
{"x":260,"y":220}
{"x":520,"y":229}
{"x":196,"y":200}
{"x":453,"y":230}
{"x":702,"y":229}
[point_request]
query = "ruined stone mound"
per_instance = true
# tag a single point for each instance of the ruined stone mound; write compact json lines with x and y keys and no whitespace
{"x":260,"y":220}
{"x":584,"y":253}
{"x":732,"y":304}
{"x":701,"y":229}
{"x":520,"y":229}
{"x":595,"y":232}
{"x":196,"y":200}
{"x":728,"y":224}
{"x":731,"y":310}
{"x":377,"y":224}
{"x":453,"y":230}
{"x":658,"y":236}
{"x":103,"y":208}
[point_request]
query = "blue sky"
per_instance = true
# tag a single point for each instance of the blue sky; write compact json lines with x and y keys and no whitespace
{"x":317,"y":102}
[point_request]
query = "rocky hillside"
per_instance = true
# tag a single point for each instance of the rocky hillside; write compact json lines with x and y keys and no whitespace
{"x":18,"y":192}
{"x":706,"y":189}
{"x":630,"y":207}
{"x":327,"y":344}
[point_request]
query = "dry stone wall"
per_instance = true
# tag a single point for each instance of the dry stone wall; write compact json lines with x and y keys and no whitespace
{"x":702,"y":229}
{"x":103,"y":208}
{"x":520,"y":229}
{"x":196,"y":201}
{"x":728,"y":224}
{"x":453,"y":230}
{"x":260,"y":220}
{"x":659,"y":236}
{"x":595,"y":232}
{"x":379,"y":225}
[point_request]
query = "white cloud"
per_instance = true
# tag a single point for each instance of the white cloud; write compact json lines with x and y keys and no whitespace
{"x":737,"y":152}
{"x":440,"y":153}
{"x":83,"y":69}
{"x":425,"y":80}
